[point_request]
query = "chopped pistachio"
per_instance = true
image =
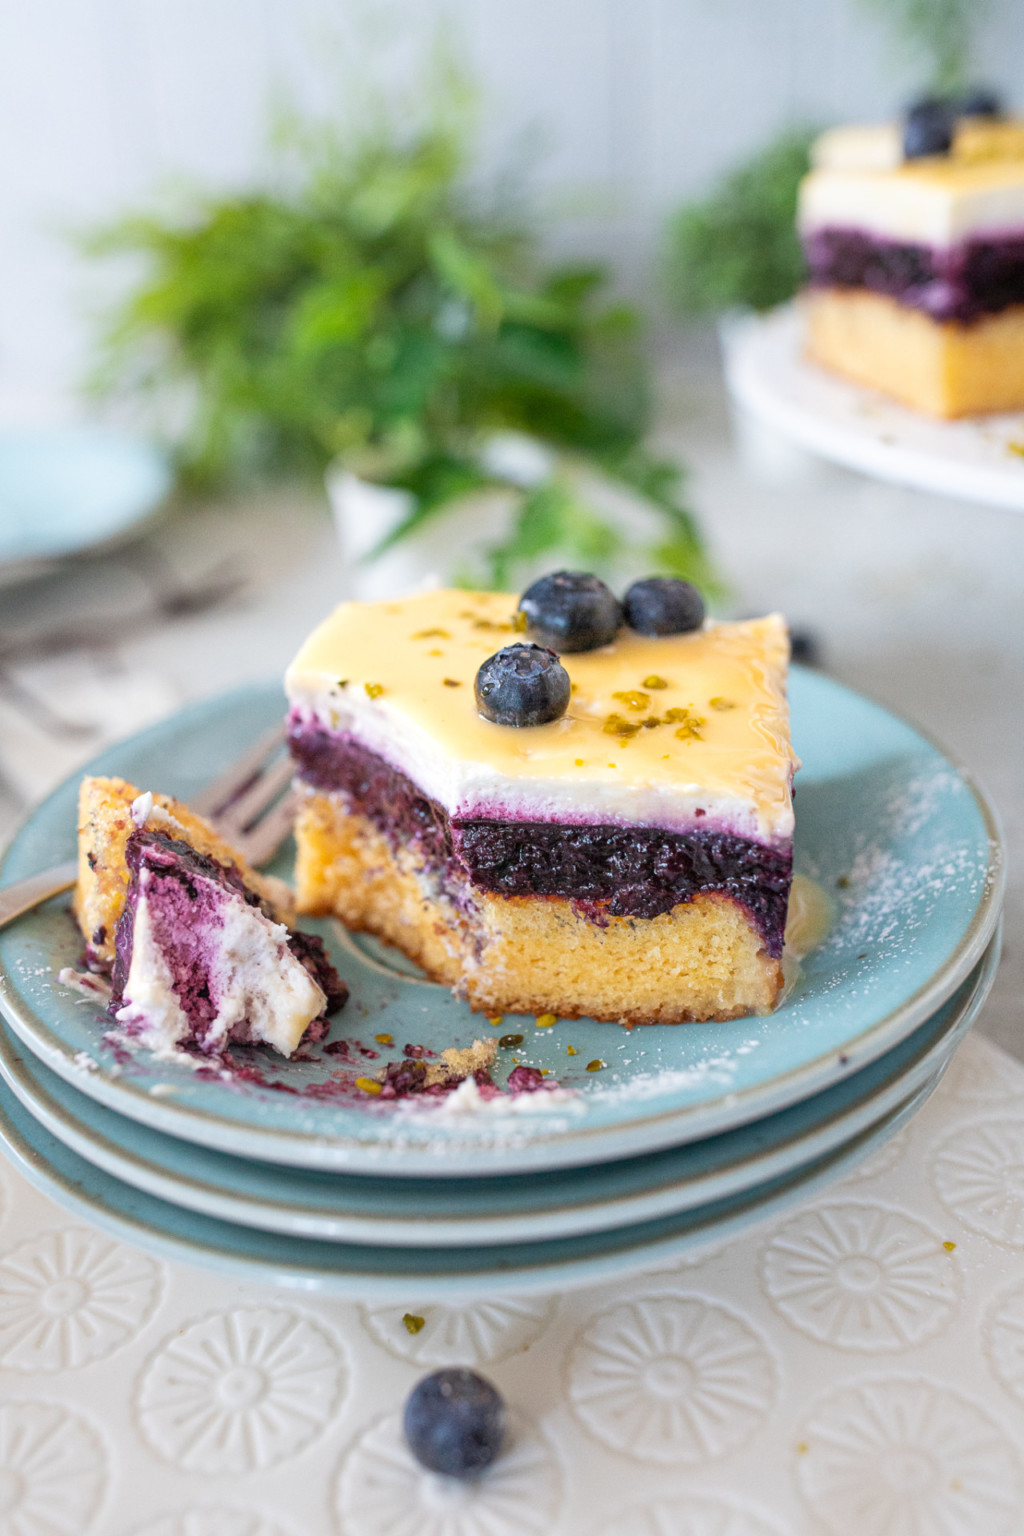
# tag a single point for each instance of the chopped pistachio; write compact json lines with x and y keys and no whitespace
{"x":633,"y":698}
{"x":384,"y":1039}
{"x":431,"y":634}
{"x":452,"y":682}
{"x":545,"y":1020}
{"x":689,"y":731}
{"x":571,"y":1050}
{"x":374,"y":690}
{"x":596,"y":1065}
{"x":509,"y":1042}
{"x":342,"y":682}
{"x":651,"y":723}
{"x":495,"y":1019}
{"x":673,"y":715}
{"x":579,"y":762}
{"x":654,"y":681}
{"x":615,"y":725}
{"x":949,"y":1246}
{"x":721,"y":704}
{"x":413,"y":1324}
{"x":368,"y":1084}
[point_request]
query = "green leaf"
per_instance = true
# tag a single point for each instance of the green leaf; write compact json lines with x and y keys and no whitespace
{"x":376,"y":304}
{"x":739,"y":246}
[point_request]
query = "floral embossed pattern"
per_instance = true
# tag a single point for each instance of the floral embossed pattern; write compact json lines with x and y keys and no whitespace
{"x":695,"y":1515}
{"x":476,"y":1334}
{"x":981,"y":1075}
{"x":861,"y":1277}
{"x":52,"y":1471}
{"x":880,"y":1161}
{"x":910,"y":1457}
{"x":70,"y":1297}
{"x":240,"y":1391}
{"x":1004,"y":1341}
{"x":671,"y":1378}
{"x":382,"y":1491}
{"x":213,"y":1522}
{"x":979,"y":1175}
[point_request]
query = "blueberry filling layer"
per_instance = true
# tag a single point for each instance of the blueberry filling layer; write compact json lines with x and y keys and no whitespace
{"x":975,"y":278}
{"x":188,"y":896}
{"x":604,"y":870}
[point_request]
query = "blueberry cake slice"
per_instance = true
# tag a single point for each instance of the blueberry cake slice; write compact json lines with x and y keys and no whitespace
{"x":913,"y":237}
{"x":198,"y":946}
{"x":604,"y":832}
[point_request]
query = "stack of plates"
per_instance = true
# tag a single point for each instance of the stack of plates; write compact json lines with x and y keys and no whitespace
{"x":682,"y":1136}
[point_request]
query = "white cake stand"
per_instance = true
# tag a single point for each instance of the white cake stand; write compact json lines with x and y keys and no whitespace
{"x":979,"y":459}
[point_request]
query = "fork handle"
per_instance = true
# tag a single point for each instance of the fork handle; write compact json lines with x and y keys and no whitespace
{"x":23,"y":895}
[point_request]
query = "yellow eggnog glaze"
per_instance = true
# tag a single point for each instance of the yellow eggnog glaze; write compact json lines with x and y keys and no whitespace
{"x":413,"y":662}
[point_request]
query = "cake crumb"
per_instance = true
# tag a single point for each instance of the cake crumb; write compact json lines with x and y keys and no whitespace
{"x":478,"y":1057}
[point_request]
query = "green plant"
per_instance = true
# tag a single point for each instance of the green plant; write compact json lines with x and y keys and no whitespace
{"x":739,"y":247}
{"x":939,"y":33}
{"x":378,"y":311}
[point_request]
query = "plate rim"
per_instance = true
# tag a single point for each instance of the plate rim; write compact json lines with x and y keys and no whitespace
{"x":503,"y":1278}
{"x":598,"y":1214}
{"x":664,"y":1128}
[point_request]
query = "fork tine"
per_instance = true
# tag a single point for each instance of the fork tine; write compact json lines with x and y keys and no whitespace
{"x":243,"y":812}
{"x":267,"y":835}
{"x":217,"y":797}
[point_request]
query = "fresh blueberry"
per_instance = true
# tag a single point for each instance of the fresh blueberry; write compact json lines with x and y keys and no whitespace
{"x":979,"y":101}
{"x":805,"y":647}
{"x":522,"y":685}
{"x":928,"y":129}
{"x":454,"y":1422}
{"x":663,"y":605}
{"x":571,"y":611}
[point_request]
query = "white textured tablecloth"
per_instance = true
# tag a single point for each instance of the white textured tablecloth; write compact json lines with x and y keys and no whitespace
{"x":854,"y":1367}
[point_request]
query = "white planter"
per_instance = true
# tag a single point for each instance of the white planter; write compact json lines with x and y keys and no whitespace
{"x":454,"y":541}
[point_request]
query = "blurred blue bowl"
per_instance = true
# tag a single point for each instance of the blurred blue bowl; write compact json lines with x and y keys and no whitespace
{"x":65,"y":489}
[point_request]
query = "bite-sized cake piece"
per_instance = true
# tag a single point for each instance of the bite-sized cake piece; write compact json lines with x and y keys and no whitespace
{"x":200,"y":952}
{"x":914,"y":240}
{"x":628,"y":859}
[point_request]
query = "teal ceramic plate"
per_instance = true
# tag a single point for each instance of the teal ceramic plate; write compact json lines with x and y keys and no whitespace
{"x":885,"y":821}
{"x":381,"y":1273}
{"x":357,"y":1208}
{"x":64,"y":489}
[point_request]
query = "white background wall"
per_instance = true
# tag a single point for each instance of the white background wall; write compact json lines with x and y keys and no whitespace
{"x":626,"y":105}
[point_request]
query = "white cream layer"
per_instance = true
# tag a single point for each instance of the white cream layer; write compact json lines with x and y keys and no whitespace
{"x":383,"y":673}
{"x":254,"y":976}
{"x":861,"y":182}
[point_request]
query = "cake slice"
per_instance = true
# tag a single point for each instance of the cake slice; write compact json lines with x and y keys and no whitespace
{"x":915,"y":260}
{"x":629,"y":860}
{"x":198,"y":945}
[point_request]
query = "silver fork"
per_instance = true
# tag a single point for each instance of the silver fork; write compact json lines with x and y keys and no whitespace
{"x":250,"y":804}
